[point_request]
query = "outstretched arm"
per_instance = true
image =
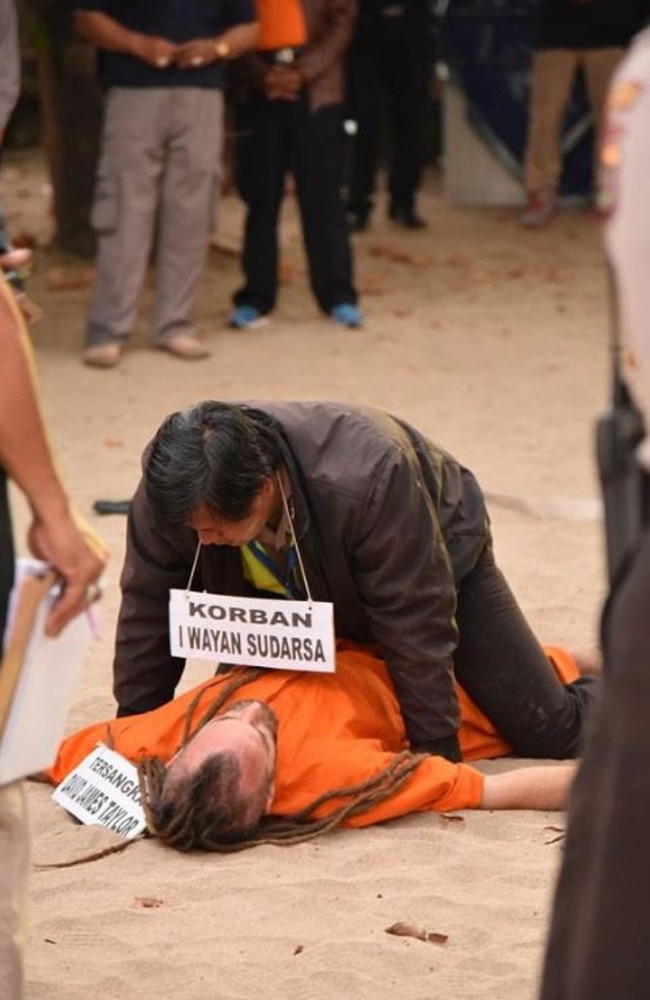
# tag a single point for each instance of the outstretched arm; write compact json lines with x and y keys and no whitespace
{"x":55,"y":534}
{"x":540,"y":787}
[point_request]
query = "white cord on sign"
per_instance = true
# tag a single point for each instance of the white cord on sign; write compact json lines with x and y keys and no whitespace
{"x":293,"y":537}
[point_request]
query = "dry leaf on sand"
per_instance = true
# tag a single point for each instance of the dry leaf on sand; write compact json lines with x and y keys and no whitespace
{"x":419,"y":933}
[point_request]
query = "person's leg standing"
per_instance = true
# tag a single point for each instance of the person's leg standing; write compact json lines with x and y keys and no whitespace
{"x":552,"y":78}
{"x":406,"y":73}
{"x":599,"y":66}
{"x":364,"y":105}
{"x":264,"y":131}
{"x":124,"y":210}
{"x":187,"y":207}
{"x":317,"y":164}
{"x":14,"y":870}
{"x":598,"y":943}
{"x":505,"y":671}
{"x":14,"y":834}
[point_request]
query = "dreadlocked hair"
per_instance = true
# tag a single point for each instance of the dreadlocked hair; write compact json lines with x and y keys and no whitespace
{"x":209,"y":805}
{"x":208,"y":808}
{"x":185,"y":821}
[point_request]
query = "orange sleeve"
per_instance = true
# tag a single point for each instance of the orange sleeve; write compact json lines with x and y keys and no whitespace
{"x":152,"y":734}
{"x":134,"y":737}
{"x":436,"y":786}
{"x":326,"y":764}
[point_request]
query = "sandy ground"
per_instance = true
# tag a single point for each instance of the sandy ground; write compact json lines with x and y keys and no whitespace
{"x":490,"y":339}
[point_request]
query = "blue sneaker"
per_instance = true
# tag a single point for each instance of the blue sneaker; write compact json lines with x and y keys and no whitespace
{"x":246,"y":318}
{"x":346,"y":314}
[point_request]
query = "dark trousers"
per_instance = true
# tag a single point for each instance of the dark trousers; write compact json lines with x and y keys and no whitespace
{"x":504,"y":670}
{"x":275,"y":137}
{"x":598,"y":943}
{"x":387,"y":70}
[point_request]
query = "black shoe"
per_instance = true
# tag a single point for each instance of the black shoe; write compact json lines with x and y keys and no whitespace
{"x":405,"y":215}
{"x":357,"y":219}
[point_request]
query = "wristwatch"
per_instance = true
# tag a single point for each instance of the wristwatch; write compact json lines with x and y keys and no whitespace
{"x":222,"y":49}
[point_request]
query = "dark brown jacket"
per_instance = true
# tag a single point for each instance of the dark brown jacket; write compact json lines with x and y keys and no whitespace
{"x":330,"y":24}
{"x":388,"y":525}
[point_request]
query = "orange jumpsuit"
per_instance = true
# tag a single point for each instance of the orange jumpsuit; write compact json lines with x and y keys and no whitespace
{"x":334,"y":730}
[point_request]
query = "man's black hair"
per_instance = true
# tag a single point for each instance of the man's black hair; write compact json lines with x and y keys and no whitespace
{"x":212,"y":454}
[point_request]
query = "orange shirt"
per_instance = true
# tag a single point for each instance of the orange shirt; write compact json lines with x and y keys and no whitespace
{"x":334,"y":730}
{"x":282,"y":24}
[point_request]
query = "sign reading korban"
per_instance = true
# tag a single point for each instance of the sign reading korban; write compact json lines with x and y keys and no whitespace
{"x":252,"y":631}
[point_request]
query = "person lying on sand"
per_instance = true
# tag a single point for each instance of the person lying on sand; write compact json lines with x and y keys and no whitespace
{"x":344,"y":504}
{"x":272,"y":756}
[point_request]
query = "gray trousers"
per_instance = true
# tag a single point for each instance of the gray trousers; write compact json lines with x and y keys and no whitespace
{"x":14,"y":865}
{"x":157,"y":184}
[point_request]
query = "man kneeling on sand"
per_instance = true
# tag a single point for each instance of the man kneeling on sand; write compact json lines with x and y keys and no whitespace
{"x":264,"y":756}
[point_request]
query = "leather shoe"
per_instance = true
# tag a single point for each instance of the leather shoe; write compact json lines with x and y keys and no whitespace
{"x":185,"y":346}
{"x":406,"y":216}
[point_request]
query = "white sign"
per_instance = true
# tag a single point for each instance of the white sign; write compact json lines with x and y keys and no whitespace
{"x":252,"y":631}
{"x":46,"y":671}
{"x":104,"y":791}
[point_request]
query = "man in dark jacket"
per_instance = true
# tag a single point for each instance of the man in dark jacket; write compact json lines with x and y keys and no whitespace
{"x":387,"y":526}
{"x":288,"y":111}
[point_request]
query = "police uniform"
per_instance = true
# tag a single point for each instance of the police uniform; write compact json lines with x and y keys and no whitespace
{"x":598,"y":945}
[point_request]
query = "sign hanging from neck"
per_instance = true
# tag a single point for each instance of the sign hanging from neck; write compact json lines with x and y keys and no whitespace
{"x":252,"y":631}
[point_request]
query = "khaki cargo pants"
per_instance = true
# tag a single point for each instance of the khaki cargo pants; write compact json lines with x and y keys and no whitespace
{"x":552,"y":81}
{"x":156,"y":189}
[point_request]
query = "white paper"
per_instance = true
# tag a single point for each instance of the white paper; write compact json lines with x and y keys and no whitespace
{"x":43,"y":695}
{"x":103,"y":790}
